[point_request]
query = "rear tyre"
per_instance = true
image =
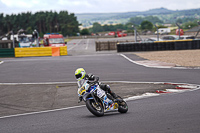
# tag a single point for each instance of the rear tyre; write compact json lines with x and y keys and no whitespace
{"x":95,"y":109}
{"x":123,"y":107}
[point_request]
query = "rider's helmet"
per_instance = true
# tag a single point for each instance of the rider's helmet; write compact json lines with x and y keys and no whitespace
{"x":80,"y":73}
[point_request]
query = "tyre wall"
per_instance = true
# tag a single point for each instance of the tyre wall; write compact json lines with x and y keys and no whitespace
{"x":159,"y":45}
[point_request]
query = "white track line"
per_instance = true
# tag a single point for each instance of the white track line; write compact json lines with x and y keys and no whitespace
{"x":130,"y":59}
{"x":75,"y":45}
{"x":146,"y":95}
{"x":1,"y":62}
{"x":40,"y":112}
{"x":87,"y":44}
{"x":39,"y":83}
{"x":141,"y":64}
{"x":101,"y":81}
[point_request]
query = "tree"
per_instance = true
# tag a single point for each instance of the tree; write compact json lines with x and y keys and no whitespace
{"x":139,"y":20}
{"x":146,"y":25}
{"x":106,"y":27}
{"x":179,"y":21}
{"x":136,"y":20}
{"x":1,"y":23}
{"x":85,"y":32}
{"x":153,"y":19}
{"x":97,"y":27}
{"x":44,"y":22}
{"x":189,"y":25}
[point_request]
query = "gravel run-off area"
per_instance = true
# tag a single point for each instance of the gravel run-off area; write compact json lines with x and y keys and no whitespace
{"x":190,"y":58}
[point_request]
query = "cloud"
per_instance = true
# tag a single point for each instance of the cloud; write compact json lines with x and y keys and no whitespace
{"x":2,"y":4}
{"x":19,"y":3}
{"x":90,"y":6}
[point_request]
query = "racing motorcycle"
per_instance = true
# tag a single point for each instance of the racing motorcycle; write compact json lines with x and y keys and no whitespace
{"x":99,"y":101}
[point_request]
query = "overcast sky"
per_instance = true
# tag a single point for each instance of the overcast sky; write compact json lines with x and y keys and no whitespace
{"x":93,"y":6}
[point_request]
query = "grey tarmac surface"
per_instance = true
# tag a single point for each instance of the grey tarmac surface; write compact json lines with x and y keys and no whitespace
{"x":169,"y":113}
{"x":23,"y":98}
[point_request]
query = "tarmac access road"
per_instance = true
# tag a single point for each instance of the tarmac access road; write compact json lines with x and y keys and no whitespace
{"x":176,"y":112}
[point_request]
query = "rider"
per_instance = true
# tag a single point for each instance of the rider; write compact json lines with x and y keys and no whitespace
{"x":81,"y":76}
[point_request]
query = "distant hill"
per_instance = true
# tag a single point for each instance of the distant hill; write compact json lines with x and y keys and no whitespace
{"x":86,"y":16}
{"x":159,"y":10}
{"x":167,"y":16}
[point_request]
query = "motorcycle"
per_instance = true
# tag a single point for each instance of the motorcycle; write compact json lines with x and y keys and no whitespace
{"x":99,"y":101}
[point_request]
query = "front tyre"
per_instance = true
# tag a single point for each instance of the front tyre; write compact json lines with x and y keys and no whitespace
{"x":94,"y":108}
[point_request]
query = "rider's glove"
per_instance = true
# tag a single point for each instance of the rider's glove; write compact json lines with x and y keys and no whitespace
{"x":91,"y":76}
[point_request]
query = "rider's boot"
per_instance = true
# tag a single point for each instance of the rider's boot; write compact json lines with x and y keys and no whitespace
{"x":116,"y":97}
{"x":107,"y":89}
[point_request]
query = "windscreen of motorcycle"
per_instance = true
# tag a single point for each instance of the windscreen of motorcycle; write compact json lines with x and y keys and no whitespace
{"x":83,"y":86}
{"x":82,"y":82}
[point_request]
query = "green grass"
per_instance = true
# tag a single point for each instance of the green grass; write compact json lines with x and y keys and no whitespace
{"x":67,"y":40}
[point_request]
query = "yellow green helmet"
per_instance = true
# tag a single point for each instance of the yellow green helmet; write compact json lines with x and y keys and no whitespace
{"x":80,"y":73}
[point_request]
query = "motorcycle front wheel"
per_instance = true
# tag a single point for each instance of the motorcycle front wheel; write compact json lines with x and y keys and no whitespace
{"x":95,"y":108}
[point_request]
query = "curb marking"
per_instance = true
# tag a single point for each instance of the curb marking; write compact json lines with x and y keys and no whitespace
{"x":156,"y":64}
{"x":1,"y":62}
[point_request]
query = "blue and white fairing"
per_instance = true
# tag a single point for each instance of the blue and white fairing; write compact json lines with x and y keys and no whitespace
{"x":85,"y":89}
{"x":108,"y":104}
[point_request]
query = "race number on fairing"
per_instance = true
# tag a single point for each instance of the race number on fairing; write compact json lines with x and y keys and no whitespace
{"x":100,"y":93}
{"x":81,"y":91}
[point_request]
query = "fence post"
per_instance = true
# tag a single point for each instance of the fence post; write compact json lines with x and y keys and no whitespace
{"x":96,"y":45}
{"x":108,"y":45}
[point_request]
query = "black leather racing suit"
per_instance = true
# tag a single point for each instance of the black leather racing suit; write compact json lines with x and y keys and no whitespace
{"x":104,"y":87}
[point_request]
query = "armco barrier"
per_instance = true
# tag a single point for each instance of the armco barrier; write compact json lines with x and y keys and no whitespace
{"x":7,"y":52}
{"x":40,"y":51}
{"x":30,"y":52}
{"x":159,"y":45}
{"x":63,"y":50}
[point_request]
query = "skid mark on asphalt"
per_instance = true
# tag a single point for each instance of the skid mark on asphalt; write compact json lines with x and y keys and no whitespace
{"x":178,"y":88}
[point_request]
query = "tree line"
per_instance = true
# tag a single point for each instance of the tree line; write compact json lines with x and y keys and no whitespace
{"x":142,"y":24}
{"x":67,"y":24}
{"x":43,"y":22}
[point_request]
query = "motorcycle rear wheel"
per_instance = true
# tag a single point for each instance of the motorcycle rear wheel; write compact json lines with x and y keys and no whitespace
{"x":95,"y":109}
{"x":123,"y":107}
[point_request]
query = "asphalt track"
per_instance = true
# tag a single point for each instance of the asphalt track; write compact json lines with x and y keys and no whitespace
{"x":167,"y":113}
{"x":177,"y":112}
